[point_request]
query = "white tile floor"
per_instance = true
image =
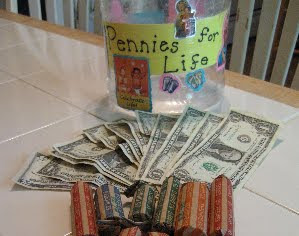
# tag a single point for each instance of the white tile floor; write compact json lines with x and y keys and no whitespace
{"x":5,"y":77}
{"x":18,"y":150}
{"x":259,"y":105}
{"x":256,"y":216}
{"x":277,"y":177}
{"x":72,"y":85}
{"x":5,"y":22}
{"x":25,"y":108}
{"x":46,"y":87}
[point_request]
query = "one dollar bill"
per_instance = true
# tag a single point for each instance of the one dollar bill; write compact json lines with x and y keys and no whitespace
{"x":202,"y":131}
{"x":125,"y":147}
{"x":236,"y":149}
{"x":112,"y":162}
{"x":74,"y":161}
{"x":28,"y":178}
{"x":146,"y":121}
{"x":59,"y":169}
{"x":142,"y":139}
{"x":122,"y":129}
{"x":100,"y":133}
{"x":176,"y":139}
{"x":161,"y":129}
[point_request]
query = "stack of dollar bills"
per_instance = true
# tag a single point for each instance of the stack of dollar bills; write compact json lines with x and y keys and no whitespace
{"x":193,"y":146}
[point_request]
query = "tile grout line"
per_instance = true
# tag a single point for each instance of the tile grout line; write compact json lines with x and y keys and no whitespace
{"x":22,"y":78}
{"x":43,"y":127}
{"x":60,"y":99}
{"x":270,"y":200}
{"x":6,"y":82}
{"x":14,"y":78}
{"x":292,"y":117}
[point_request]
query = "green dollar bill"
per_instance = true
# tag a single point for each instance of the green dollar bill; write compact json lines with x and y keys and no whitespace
{"x":236,"y":149}
{"x":176,"y":139}
{"x":161,"y":129}
{"x":146,"y":121}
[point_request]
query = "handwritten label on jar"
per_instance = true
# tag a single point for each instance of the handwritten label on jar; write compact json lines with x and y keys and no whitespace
{"x":165,"y":53}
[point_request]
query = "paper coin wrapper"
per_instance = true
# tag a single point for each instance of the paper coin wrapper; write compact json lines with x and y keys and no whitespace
{"x":188,"y":210}
{"x":83,"y":211}
{"x":133,"y":231}
{"x":108,"y":203}
{"x":109,"y":208}
{"x":221,"y":216}
{"x":156,"y":234}
{"x":143,"y":204}
{"x":192,"y":210}
{"x":165,"y":212}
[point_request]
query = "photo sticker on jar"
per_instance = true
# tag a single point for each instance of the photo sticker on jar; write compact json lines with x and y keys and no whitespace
{"x":185,"y":24}
{"x":169,"y":83}
{"x":196,"y":79}
{"x":132,"y":78}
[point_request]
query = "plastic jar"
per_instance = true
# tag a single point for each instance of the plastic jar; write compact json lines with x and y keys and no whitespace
{"x":165,"y":54}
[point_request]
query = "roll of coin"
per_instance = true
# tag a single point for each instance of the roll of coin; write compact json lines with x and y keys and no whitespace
{"x":133,"y":231}
{"x":156,"y":234}
{"x":191,"y":216}
{"x":164,"y":216}
{"x":143,"y":204}
{"x":221,"y":216}
{"x":83,"y":210}
{"x":112,"y":231}
{"x":108,"y":203}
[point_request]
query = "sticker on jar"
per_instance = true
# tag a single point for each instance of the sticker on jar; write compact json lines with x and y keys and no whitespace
{"x":185,"y":24}
{"x":132,"y":79}
{"x":169,"y":83}
{"x":196,"y":79}
{"x":221,"y":61}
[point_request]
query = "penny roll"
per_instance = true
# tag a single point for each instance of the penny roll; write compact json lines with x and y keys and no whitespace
{"x":143,"y":204}
{"x":83,"y":210}
{"x":166,"y":207}
{"x":133,"y":231}
{"x":192,"y":210}
{"x":108,"y":203}
{"x":221,"y":216}
{"x":156,"y":234}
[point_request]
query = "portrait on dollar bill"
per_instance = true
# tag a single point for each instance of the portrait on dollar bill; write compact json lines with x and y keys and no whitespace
{"x":115,"y":160}
{"x":225,"y":153}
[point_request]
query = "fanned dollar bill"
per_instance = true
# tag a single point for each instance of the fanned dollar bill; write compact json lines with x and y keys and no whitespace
{"x":112,"y":162}
{"x":161,"y":129}
{"x":100,"y":133}
{"x":142,"y":139}
{"x":175,"y":140}
{"x":236,"y":149}
{"x":122,"y":129}
{"x":128,"y":152}
{"x":82,"y":148}
{"x":146,"y":121}
{"x":74,"y":161}
{"x":62,"y":170}
{"x":29,"y":179}
{"x":208,"y":126}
